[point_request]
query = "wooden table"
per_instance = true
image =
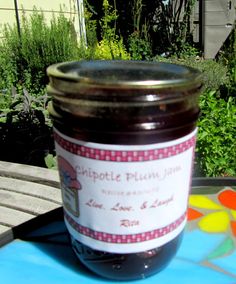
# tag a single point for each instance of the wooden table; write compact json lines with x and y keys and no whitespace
{"x":25,"y":193}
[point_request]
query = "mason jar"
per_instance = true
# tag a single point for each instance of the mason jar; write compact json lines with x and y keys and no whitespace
{"x":125,"y":134}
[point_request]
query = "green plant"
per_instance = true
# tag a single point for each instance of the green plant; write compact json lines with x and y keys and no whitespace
{"x":227,"y":56}
{"x":139,"y":43}
{"x":91,"y":33}
{"x":214,"y":74}
{"x":181,"y":33}
{"x":216,"y":144}
{"x":51,"y":162}
{"x":171,"y":29}
{"x":26,"y":136}
{"x":24,"y":59}
{"x":111,"y":50}
{"x":111,"y":46}
{"x":139,"y":48}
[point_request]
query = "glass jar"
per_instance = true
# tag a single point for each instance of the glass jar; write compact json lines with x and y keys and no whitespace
{"x":125,"y":136}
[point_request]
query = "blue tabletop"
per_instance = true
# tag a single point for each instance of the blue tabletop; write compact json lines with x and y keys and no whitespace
{"x":207,"y":254}
{"x":52,"y":261}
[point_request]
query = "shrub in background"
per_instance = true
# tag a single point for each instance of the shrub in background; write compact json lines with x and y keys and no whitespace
{"x":164,"y":31}
{"x":24,"y":60}
{"x":139,"y":41}
{"x":112,"y":41}
{"x":216,"y":143}
{"x":227,"y":56}
{"x":214,"y":74}
{"x":111,"y":45}
{"x":25,"y":129}
{"x":26,"y":136}
{"x":110,"y":50}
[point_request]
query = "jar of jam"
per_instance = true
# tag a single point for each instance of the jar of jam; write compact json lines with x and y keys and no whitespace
{"x":125,"y":136}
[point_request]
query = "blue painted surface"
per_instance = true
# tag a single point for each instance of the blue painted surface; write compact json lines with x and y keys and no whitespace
{"x":197,"y":245}
{"x":228,"y":263}
{"x":25,"y":262}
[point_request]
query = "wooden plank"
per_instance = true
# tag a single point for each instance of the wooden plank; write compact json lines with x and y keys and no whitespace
{"x":30,"y":173}
{"x":216,"y":19}
{"x":214,"y":39}
{"x":216,"y":6}
{"x":12,"y":217}
{"x":4,"y":229}
{"x":32,"y":189}
{"x":25,"y":192}
{"x":25,"y":203}
{"x":6,"y":235}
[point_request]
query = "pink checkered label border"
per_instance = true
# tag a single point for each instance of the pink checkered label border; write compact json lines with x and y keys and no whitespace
{"x":124,"y":155}
{"x":125,"y":239}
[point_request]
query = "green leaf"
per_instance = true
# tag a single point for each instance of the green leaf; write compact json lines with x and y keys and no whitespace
{"x":227,"y":247}
{"x":51,"y":162}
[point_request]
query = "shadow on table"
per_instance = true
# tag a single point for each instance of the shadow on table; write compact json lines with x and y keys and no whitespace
{"x":48,"y":233}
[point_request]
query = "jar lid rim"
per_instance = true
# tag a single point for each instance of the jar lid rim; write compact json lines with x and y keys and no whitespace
{"x":119,"y":74}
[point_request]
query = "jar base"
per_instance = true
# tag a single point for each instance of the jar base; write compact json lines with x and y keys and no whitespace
{"x":132,"y":266}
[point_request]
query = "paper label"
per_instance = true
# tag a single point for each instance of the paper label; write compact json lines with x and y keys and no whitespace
{"x":125,"y":198}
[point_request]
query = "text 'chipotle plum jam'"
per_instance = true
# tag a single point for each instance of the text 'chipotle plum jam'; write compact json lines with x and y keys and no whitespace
{"x":125,"y":136}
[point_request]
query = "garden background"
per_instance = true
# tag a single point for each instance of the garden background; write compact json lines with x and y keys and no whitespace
{"x":133,"y":29}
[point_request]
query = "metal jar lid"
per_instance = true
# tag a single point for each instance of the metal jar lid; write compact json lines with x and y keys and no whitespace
{"x":70,"y":77}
